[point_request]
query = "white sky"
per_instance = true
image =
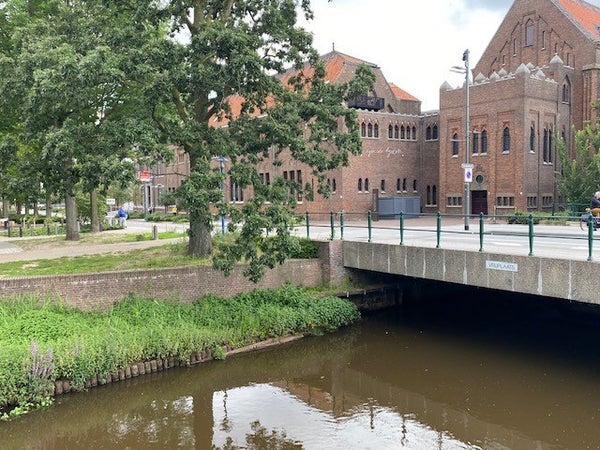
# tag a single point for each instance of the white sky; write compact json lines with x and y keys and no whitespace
{"x":414,"y":42}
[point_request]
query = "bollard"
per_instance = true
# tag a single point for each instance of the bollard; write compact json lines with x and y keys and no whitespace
{"x":332,"y":224}
{"x":438,"y":228}
{"x":342,"y":225}
{"x":21,"y":231}
{"x":369,"y":224}
{"x":530,"y":221}
{"x":306,"y":220}
{"x":154,"y":232}
{"x":480,"y":231}
{"x":590,"y":235}
{"x":401,"y":228}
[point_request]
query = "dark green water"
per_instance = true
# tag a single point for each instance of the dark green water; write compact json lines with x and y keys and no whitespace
{"x":479,"y":373}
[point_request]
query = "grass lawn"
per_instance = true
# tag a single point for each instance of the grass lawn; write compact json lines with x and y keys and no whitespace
{"x":167,"y":255}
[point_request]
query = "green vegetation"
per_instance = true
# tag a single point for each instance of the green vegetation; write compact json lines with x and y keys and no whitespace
{"x":41,"y":344}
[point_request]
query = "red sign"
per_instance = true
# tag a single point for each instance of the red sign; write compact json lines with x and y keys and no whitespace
{"x":144,"y":175}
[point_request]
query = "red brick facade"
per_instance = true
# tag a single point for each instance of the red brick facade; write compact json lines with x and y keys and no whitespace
{"x":539,"y":75}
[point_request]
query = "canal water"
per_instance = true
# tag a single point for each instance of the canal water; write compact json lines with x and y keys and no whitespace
{"x":454,"y":370}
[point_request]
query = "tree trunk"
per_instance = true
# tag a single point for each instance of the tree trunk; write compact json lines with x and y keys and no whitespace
{"x":200,"y":243}
{"x":94,"y":211}
{"x":48,"y":206}
{"x":71,"y":218}
{"x":5,"y":207}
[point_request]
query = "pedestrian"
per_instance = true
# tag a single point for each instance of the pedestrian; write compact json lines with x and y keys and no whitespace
{"x":122,"y":214}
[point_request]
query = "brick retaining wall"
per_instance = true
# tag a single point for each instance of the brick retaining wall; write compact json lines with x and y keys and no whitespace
{"x":99,"y":291}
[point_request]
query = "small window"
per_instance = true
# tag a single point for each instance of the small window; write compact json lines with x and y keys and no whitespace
{"x":455,"y":144}
{"x":396,"y":132}
{"x":370,"y":130}
{"x":376,"y":130}
{"x":390,"y":131}
{"x":435,"y":132}
{"x":366,"y":185}
{"x":506,"y":140}
{"x":484,"y":142}
{"x":428,"y":133}
{"x":532,"y":139}
{"x":363,"y":129}
{"x":360,"y":185}
{"x":475,"y":149}
{"x":529,"y":33}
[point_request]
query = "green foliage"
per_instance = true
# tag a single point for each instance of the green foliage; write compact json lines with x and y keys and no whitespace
{"x":579,"y":174}
{"x":43,"y":343}
{"x":522,"y":218}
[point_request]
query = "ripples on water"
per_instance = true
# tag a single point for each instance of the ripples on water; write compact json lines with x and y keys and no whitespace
{"x":459,"y":369}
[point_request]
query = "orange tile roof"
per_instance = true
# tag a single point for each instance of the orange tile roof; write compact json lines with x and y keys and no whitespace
{"x":401,"y":94}
{"x":584,"y":14}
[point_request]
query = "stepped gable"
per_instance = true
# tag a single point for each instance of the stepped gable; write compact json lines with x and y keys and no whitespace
{"x":584,"y":15}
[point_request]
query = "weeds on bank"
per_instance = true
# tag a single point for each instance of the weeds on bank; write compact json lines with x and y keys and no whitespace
{"x":40,"y":344}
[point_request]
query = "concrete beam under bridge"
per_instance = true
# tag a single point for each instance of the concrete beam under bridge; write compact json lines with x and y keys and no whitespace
{"x":548,"y":277}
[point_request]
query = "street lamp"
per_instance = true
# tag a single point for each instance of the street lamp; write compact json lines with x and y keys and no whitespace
{"x":467,"y":166}
{"x":222,"y":160}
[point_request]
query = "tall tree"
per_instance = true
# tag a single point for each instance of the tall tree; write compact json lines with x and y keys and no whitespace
{"x":229,"y":105}
{"x":73,"y":73}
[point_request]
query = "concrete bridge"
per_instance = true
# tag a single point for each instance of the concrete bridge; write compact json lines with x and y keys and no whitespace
{"x":561,"y":261}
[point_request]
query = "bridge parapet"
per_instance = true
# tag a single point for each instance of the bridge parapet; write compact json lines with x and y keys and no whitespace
{"x":549,"y":277}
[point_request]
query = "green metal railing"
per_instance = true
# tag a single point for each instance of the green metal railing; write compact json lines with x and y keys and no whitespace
{"x":444,"y":225}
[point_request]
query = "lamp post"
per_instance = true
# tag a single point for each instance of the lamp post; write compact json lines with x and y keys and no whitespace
{"x":467,"y":166}
{"x":222,"y":161}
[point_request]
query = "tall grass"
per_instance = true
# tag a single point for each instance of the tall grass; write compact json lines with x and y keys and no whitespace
{"x":40,"y":344}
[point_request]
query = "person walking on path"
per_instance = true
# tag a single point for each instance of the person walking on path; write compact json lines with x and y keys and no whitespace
{"x":122,"y":214}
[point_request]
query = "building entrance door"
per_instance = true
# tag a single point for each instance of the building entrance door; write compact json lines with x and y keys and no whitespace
{"x":479,"y":202}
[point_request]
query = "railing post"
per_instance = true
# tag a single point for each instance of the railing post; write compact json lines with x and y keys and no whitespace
{"x":480,"y":231}
{"x":342,"y":225}
{"x":369,"y":220}
{"x":591,"y":220}
{"x":438,"y":230}
{"x":401,"y":228}
{"x":530,"y":221}
{"x":332,"y":224}
{"x":307,"y":221}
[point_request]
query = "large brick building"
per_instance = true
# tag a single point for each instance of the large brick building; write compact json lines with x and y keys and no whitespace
{"x":540,"y":75}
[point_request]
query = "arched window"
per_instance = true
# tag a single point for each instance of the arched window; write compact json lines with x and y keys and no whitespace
{"x":483,"y":141}
{"x":455,"y":144}
{"x":532,"y":139}
{"x":428,"y":195}
{"x":333,"y":186}
{"x":363,"y":129}
{"x":396,"y":131}
{"x":382,"y":186}
{"x":398,"y":185}
{"x":402,"y":132}
{"x":550,"y":146}
{"x":506,"y":140}
{"x":529,"y":33}
{"x":360,"y":185}
{"x":390,"y":131}
{"x":404,"y":184}
{"x":475,"y":145}
{"x":376,"y":130}
{"x":545,"y":146}
{"x":414,"y":185}
{"x":428,"y":133}
{"x":370,"y":130}
{"x":434,"y":196}
{"x":435,"y":132}
{"x":566,"y":91}
{"x":414,"y":133}
{"x":366,"y":185}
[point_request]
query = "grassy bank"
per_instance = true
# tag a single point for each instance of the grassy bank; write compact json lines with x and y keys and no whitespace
{"x":42,"y":344}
